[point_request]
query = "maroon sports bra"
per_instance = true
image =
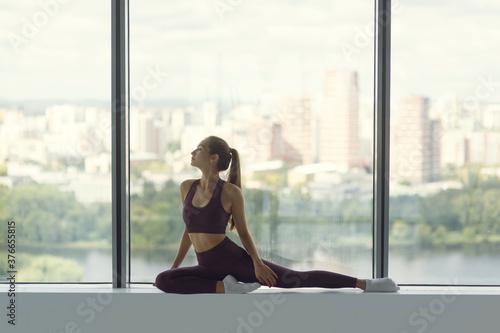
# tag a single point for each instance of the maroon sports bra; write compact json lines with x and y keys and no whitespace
{"x":212,"y":218}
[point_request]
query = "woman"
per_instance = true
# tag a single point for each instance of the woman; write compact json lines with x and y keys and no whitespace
{"x":209,"y":203}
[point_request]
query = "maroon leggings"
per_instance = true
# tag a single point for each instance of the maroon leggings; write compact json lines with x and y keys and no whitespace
{"x":228,"y":257}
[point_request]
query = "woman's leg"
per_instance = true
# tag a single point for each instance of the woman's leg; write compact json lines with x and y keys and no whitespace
{"x":232,"y":259}
{"x":288,"y":278}
{"x":188,"y":280}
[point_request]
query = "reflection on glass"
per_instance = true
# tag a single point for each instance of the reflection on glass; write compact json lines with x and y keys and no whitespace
{"x":291,"y":89}
{"x":55,"y":181}
{"x":445,"y":146}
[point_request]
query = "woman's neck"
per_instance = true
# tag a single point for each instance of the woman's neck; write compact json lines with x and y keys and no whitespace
{"x":208,"y":182}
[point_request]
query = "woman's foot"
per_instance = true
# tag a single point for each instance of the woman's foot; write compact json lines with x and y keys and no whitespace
{"x":232,"y":286}
{"x":381,"y":285}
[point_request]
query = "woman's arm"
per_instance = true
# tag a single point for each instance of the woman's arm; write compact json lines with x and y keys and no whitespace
{"x":183,"y":249}
{"x":185,"y":240}
{"x":238,"y":211}
{"x":263,"y":273}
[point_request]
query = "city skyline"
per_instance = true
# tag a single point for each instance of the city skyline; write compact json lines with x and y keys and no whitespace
{"x":163,"y":126}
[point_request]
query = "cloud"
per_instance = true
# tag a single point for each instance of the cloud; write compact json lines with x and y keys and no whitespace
{"x":443,"y":48}
{"x":437,"y":46}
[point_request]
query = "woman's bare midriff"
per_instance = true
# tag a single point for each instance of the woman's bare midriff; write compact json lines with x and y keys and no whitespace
{"x":203,"y":242}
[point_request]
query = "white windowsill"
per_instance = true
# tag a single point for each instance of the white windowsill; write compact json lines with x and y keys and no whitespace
{"x":148,"y":289}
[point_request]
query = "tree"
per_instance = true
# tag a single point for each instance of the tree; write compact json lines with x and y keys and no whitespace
{"x":47,"y":215}
{"x":442,"y":208}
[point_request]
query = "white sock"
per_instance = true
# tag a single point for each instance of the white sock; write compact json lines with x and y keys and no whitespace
{"x":232,"y":286}
{"x":382,"y":285}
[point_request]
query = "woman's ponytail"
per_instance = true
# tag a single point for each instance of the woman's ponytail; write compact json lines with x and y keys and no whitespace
{"x":235,"y":169}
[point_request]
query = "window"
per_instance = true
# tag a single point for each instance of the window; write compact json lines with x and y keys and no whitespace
{"x":55,"y":132}
{"x":290,"y":86}
{"x":445,"y":144}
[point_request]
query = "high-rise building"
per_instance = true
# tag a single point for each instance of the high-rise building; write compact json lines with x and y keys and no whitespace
{"x":482,"y":147}
{"x":260,"y":141}
{"x":434,"y":173}
{"x":415,"y":143}
{"x":448,"y":109}
{"x":293,"y":139}
{"x":147,"y":134}
{"x":338,"y":120}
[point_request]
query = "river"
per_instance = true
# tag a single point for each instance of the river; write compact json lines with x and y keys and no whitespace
{"x":444,"y":267}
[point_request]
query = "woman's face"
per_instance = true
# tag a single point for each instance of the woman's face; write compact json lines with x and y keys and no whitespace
{"x":201,"y":155}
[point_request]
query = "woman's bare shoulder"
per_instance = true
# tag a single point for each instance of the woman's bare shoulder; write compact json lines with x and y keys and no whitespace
{"x":232,"y":197}
{"x":185,"y":185}
{"x":231,"y":189}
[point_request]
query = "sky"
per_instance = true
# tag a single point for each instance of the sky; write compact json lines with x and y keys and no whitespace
{"x":55,"y":49}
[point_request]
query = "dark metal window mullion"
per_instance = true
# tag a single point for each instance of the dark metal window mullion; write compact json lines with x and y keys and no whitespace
{"x":120,"y":143}
{"x":381,"y":138}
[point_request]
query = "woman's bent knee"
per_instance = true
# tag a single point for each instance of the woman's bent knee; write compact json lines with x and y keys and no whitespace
{"x":162,"y":281}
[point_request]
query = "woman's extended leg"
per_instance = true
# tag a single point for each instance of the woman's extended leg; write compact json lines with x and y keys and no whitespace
{"x":289,"y":278}
{"x":228,"y":258}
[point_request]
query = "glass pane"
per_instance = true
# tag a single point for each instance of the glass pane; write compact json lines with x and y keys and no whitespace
{"x":445,"y":143}
{"x":55,"y":181}
{"x":291,"y":88}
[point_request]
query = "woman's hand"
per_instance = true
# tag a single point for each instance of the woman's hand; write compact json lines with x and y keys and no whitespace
{"x":265,"y":275}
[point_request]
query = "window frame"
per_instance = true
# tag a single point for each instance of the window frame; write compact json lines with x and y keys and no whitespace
{"x":120,"y":136}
